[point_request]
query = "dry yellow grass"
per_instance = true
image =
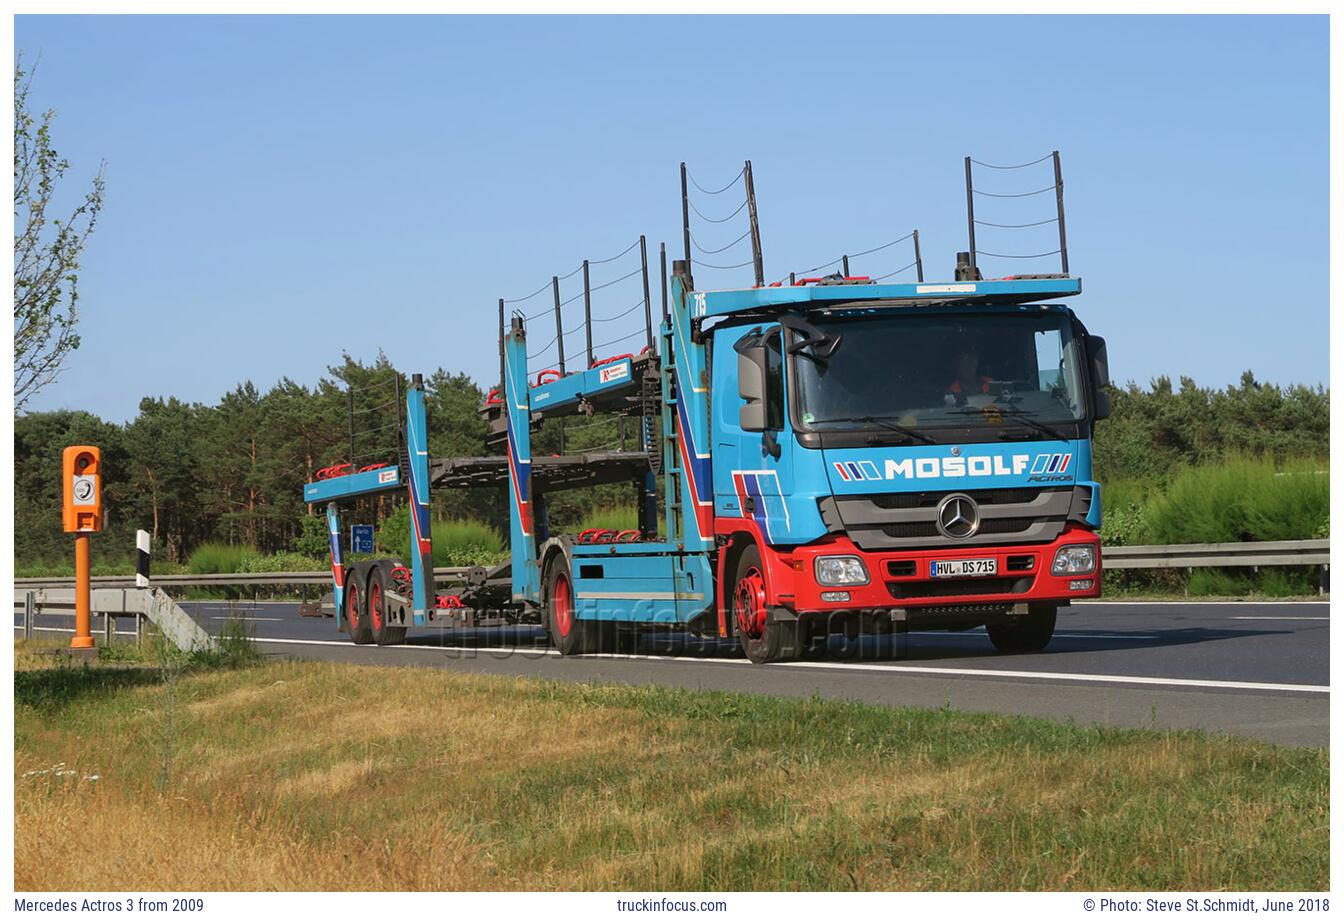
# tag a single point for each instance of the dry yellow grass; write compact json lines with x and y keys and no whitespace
{"x":304,"y":775}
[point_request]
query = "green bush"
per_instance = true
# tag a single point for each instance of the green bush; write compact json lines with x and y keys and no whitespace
{"x":283,"y":562}
{"x":217,"y":559}
{"x":1240,"y":500}
{"x":456,"y":542}
{"x":312,"y":538}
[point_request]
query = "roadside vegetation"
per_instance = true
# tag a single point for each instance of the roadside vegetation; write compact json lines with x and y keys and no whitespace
{"x":301,"y":775}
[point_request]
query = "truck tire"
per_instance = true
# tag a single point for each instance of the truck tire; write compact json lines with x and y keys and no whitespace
{"x":763,"y":638}
{"x":569,"y":634}
{"x":383,"y":634}
{"x":356,"y":611}
{"x":1031,"y":633}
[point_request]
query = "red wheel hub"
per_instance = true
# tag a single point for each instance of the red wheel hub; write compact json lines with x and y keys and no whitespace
{"x":562,"y":605}
{"x":352,"y":606}
{"x":749,"y":603}
{"x":376,"y":605}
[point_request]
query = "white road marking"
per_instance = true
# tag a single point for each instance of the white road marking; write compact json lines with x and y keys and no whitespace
{"x":981,"y":636}
{"x":1278,"y":618}
{"x":883,"y":668}
{"x":1120,"y":602}
{"x":248,"y":619}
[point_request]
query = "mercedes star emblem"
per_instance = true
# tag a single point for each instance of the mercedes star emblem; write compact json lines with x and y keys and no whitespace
{"x":958,"y":516}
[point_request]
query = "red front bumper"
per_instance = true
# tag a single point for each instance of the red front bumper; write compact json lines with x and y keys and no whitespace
{"x":902,"y":578}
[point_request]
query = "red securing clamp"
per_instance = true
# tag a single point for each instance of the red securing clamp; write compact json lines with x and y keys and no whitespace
{"x":628,"y":536}
{"x":448,"y":602}
{"x":401,"y":573}
{"x":331,"y":472}
{"x":551,"y":372}
{"x":372,"y":466}
{"x":612,"y":360}
{"x":589,"y":535}
{"x":493,"y":398}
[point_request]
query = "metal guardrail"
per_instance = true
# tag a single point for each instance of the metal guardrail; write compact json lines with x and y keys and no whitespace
{"x":1175,"y":556}
{"x":1221,"y":555}
{"x":441,"y":575}
{"x":113,"y":603}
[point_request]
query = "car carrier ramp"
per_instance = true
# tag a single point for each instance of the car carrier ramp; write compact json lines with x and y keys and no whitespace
{"x":569,"y":471}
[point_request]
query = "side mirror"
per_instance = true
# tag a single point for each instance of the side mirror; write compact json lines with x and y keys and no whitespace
{"x":1101,"y":375}
{"x":1096,"y":357}
{"x":751,"y":381}
{"x":1103,"y":404}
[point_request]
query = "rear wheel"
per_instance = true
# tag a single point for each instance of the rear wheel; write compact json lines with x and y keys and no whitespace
{"x":763,"y":638}
{"x":356,"y":613}
{"x":383,"y":634}
{"x":1031,"y":633}
{"x":569,"y":634}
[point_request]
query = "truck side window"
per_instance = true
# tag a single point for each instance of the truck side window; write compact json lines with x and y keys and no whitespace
{"x":774,"y":381}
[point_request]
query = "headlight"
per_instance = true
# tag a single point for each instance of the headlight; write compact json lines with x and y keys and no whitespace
{"x":1074,"y":560}
{"x":841,"y":570}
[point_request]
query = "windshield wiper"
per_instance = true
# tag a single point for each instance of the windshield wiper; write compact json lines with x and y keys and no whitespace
{"x":1017,"y":415}
{"x":875,"y":420}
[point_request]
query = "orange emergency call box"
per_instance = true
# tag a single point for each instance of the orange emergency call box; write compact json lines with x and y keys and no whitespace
{"x":82,"y":480}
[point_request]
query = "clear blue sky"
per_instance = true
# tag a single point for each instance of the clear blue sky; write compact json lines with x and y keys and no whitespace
{"x":282,"y":188}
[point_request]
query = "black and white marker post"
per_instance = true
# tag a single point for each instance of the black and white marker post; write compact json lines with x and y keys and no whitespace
{"x":142,"y":559}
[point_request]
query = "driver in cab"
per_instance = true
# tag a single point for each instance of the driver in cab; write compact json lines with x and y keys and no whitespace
{"x":967,"y":379}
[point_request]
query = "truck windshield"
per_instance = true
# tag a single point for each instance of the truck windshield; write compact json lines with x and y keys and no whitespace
{"x":923,"y":373}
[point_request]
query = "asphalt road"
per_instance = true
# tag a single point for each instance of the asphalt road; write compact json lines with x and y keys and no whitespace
{"x":1254,"y":669}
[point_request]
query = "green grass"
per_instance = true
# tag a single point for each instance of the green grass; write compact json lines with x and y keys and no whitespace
{"x":617,"y":518}
{"x":1240,"y":500}
{"x":217,"y":559}
{"x":301,"y":775}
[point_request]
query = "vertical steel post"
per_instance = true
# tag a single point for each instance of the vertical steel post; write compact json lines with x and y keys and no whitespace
{"x":648,"y":305}
{"x":844,"y":262}
{"x":501,"y":347}
{"x":559,"y":329}
{"x":588,"y":312}
{"x":970,"y":215}
{"x":793,"y":279}
{"x":83,"y":637}
{"x":29,"y":611}
{"x":350,"y":411}
{"x":662,"y":259}
{"x":109,"y":628}
{"x":757,"y":262}
{"x":685,"y":217}
{"x":1059,"y":205}
{"x":919,"y":263}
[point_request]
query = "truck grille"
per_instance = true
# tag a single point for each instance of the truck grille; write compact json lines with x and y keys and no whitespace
{"x":959,"y":587}
{"x":907,"y":520}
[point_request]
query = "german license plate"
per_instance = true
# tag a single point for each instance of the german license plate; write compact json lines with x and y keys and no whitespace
{"x":963,"y":568}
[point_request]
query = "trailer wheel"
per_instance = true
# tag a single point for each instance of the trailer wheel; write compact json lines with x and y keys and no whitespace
{"x":1031,"y":633}
{"x":356,"y":613}
{"x":383,"y":634}
{"x":569,"y":634}
{"x":763,"y":639}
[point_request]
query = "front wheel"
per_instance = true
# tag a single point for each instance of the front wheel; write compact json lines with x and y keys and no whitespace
{"x":763,"y":638}
{"x":1031,"y":633}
